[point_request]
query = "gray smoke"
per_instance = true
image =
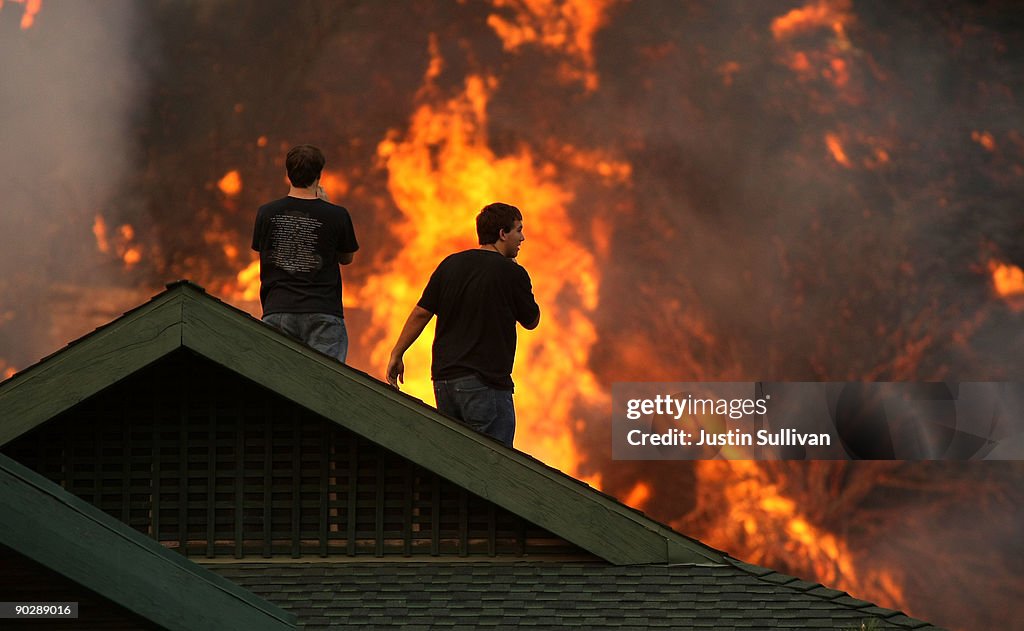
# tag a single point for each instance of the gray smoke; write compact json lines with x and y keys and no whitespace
{"x":68,"y":87}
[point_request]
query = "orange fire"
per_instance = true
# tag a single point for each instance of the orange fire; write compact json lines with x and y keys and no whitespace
{"x":596,"y":161}
{"x":743,"y":509}
{"x":835,"y":147}
{"x":32,"y":7}
{"x":335,"y":184}
{"x":985,"y":139}
{"x":99,"y":230}
{"x":638,"y":496}
{"x":567,"y":25}
{"x":121,"y":243}
{"x":249,"y":283}
{"x":441,"y":171}
{"x":833,"y":61}
{"x":1008,"y":280}
{"x":821,"y":14}
{"x":231,"y":183}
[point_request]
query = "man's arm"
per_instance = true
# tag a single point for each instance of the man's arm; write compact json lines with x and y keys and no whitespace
{"x":346,"y":257}
{"x":527,"y":311}
{"x":413,"y":327}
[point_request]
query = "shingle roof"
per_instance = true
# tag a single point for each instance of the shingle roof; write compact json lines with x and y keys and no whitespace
{"x":468,"y":595}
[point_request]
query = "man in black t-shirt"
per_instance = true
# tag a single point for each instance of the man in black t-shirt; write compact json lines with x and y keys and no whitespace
{"x":478,"y":296}
{"x":302,"y":238}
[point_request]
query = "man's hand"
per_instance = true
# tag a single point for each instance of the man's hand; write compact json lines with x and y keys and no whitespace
{"x":412,"y":329}
{"x":396,"y":371}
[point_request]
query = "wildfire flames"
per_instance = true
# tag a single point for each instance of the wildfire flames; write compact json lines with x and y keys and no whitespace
{"x":710,"y":192}
{"x":767,"y":525}
{"x":440,"y":173}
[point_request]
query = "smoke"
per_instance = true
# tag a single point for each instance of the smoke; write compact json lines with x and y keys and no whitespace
{"x":69,"y":91}
{"x":827,"y":219}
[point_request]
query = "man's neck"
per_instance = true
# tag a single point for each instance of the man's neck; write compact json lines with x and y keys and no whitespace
{"x":492,"y":247}
{"x":303,"y":193}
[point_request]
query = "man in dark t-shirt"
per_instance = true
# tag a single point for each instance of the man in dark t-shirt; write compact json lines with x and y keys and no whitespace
{"x":302,"y":238}
{"x":478,"y":296}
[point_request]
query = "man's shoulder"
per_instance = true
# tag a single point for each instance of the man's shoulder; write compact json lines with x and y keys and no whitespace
{"x":457,"y":258}
{"x":273,"y":205}
{"x":335,"y":214}
{"x":334,"y":207}
{"x":305,"y":205}
{"x":495,"y":264}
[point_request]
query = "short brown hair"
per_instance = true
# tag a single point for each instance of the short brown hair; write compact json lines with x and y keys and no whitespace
{"x":304,"y":164}
{"x":493,"y":219}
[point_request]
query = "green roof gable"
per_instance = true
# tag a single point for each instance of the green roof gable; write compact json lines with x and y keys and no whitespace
{"x":54,"y":528}
{"x":185,"y":316}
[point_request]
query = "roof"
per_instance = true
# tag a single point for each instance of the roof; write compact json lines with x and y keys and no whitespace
{"x":474,"y":595}
{"x":54,"y":528}
{"x":185,"y":316}
{"x":650,"y":568}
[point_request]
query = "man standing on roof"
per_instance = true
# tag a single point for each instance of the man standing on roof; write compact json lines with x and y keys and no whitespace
{"x":302,"y":238}
{"x":478,"y":296}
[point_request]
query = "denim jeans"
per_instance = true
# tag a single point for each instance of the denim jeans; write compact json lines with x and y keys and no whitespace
{"x":323,"y":331}
{"x":479,"y":406}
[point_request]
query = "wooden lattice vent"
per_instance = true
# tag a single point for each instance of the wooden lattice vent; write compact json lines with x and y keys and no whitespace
{"x":213,"y":465}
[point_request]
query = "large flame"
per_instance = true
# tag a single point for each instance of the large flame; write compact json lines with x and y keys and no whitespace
{"x":440,"y":173}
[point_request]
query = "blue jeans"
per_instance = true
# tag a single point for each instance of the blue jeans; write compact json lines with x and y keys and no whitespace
{"x":323,"y":331}
{"x":477,"y":405}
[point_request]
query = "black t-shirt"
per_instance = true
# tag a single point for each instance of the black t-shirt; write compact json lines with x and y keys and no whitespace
{"x":299,"y":241}
{"x":478,"y":296}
